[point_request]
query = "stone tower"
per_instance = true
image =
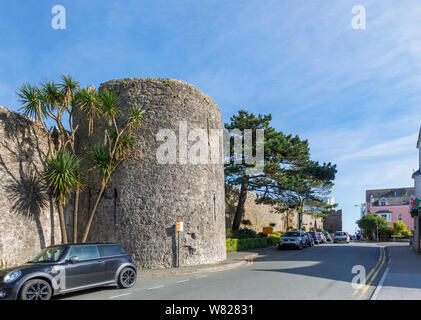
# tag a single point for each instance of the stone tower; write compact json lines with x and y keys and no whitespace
{"x":146,"y":198}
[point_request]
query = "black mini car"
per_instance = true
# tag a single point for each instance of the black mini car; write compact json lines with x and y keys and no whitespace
{"x":66,"y":268}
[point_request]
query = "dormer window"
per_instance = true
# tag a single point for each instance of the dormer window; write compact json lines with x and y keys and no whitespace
{"x":382,"y":202}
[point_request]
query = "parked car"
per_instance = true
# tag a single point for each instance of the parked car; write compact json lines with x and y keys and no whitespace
{"x":341,"y":236}
{"x":316,"y":237}
{"x":322,"y":237}
{"x":292,"y":239}
{"x":328,"y":237}
{"x":309,"y":239}
{"x":66,"y":268}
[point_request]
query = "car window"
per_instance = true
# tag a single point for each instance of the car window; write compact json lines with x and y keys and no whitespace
{"x":51,"y":254}
{"x":84,"y":252}
{"x":111,"y":250}
{"x":340,"y":234}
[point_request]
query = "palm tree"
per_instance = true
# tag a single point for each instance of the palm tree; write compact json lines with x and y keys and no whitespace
{"x":117,"y":147}
{"x":89,"y":101}
{"x":69,"y":87}
{"x":63,"y":178}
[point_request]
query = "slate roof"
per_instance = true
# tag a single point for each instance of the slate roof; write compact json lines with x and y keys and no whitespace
{"x":394,"y":196}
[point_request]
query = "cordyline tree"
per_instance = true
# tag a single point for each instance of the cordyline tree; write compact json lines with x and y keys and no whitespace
{"x":118,"y":142}
{"x":282,"y":154}
{"x":54,"y":102}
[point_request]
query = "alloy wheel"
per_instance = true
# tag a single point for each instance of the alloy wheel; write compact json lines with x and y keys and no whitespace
{"x":128,"y":277}
{"x":37,"y":290}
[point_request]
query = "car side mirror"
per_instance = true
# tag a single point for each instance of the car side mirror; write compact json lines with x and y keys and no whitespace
{"x":73,"y":259}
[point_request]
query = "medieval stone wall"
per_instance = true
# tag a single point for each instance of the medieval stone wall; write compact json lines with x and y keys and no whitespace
{"x":262,"y":215}
{"x":145,"y":199}
{"x":28,"y":221}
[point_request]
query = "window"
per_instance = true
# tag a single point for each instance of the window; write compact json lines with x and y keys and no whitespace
{"x":84,"y":252}
{"x":382,"y":202}
{"x":52,"y":254}
{"x":111,"y":250}
{"x":400,"y":217}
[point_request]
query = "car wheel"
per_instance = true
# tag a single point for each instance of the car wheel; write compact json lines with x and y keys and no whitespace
{"x":127,"y":278}
{"x":36,"y":289}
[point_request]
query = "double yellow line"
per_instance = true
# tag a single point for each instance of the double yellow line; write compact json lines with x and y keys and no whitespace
{"x":372,"y":275}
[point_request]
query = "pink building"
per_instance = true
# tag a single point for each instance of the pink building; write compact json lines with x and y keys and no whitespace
{"x":391,"y":204}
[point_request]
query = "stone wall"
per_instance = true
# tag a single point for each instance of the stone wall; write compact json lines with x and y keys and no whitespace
{"x":28,"y":221}
{"x":333,"y":222}
{"x":262,"y":215}
{"x":145,"y":199}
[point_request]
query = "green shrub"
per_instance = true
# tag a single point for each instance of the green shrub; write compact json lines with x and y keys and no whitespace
{"x":246,"y":222}
{"x":244,"y":244}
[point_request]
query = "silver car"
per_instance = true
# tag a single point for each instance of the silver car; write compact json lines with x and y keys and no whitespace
{"x":293,"y":239}
{"x":341,"y":236}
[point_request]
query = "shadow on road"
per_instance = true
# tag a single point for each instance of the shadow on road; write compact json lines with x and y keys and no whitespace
{"x":329,"y":261}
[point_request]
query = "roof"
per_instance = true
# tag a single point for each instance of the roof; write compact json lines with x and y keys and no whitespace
{"x":394,"y":196}
{"x":84,"y":244}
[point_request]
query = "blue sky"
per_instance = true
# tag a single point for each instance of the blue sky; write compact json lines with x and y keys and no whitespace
{"x":354,"y":94}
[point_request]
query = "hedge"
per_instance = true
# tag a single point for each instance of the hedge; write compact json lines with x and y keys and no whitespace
{"x":244,"y":244}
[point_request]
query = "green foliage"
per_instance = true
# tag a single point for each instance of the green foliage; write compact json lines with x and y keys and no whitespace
{"x":368,"y":224}
{"x":246,"y":222}
{"x":289,"y":176}
{"x":100,"y":158}
{"x":400,"y":228}
{"x":62,"y":174}
{"x":244,"y":244}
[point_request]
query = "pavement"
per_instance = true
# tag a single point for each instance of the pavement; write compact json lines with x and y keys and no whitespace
{"x":234,"y":260}
{"x":402,"y":277}
{"x":322,"y":272}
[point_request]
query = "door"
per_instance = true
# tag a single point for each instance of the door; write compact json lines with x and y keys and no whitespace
{"x":88,"y":270}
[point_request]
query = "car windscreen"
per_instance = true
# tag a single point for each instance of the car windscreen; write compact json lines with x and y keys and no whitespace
{"x":292,"y":234}
{"x":340,"y":234}
{"x":51,"y":254}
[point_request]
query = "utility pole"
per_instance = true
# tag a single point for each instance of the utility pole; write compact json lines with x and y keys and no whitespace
{"x":377,"y":231}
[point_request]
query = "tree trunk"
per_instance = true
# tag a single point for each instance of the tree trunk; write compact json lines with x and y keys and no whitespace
{"x":75,"y":216}
{"x":62,"y":223}
{"x":91,"y":217}
{"x":239,"y":212}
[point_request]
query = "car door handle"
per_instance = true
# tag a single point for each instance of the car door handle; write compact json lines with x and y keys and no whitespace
{"x":100,"y":262}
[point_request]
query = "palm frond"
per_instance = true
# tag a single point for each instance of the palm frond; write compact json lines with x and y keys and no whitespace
{"x":31,"y":99}
{"x":62,"y":174}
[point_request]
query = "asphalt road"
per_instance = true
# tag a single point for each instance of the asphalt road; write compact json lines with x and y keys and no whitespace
{"x":321,"y":272}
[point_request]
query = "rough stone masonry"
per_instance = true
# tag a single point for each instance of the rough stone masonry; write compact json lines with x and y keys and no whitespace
{"x":145,"y":199}
{"x":28,"y":221}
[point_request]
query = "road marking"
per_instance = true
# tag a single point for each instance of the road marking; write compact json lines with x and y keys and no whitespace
{"x":183,"y":280}
{"x":120,"y":295}
{"x":379,"y":287}
{"x":371,"y":272}
{"x":375,"y":274}
{"x":157,"y":287}
{"x":200,"y":277}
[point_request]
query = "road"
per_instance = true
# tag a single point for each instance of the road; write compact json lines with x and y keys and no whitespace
{"x":321,"y":272}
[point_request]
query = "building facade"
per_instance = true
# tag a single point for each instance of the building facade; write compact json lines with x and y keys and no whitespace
{"x":391,"y":204}
{"x":333,"y":222}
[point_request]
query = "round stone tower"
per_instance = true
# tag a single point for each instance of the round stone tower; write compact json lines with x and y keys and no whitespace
{"x":175,"y":174}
